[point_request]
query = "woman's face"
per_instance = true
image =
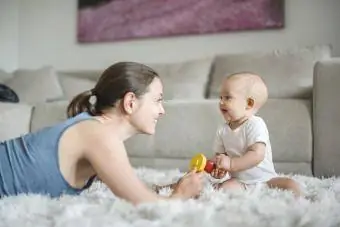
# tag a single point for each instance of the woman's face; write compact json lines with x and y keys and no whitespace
{"x":150,"y":109}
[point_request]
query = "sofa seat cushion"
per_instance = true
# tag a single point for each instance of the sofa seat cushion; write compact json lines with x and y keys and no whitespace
{"x":189,"y":127}
{"x":48,"y":114}
{"x":182,"y":164}
{"x":15,"y":119}
{"x":141,"y":146}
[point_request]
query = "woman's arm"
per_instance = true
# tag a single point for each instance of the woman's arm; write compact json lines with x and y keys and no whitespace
{"x":109,"y":159}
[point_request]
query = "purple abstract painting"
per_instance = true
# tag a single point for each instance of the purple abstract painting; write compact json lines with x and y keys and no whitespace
{"x":113,"y":20}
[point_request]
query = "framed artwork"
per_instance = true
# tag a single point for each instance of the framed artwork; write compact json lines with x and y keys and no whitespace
{"x":117,"y":20}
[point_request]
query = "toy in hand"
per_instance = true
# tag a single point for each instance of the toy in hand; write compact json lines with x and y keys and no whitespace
{"x":200,"y":163}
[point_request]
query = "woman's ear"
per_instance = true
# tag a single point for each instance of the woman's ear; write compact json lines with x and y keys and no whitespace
{"x":129,"y":102}
{"x":250,"y":103}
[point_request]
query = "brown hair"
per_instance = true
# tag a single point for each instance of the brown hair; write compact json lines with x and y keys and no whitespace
{"x":113,"y":84}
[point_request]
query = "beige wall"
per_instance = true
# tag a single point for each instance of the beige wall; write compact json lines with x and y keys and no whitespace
{"x":47,"y":36}
{"x":9,"y":34}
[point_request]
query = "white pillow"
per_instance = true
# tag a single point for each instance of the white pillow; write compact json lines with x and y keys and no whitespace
{"x":4,"y":76}
{"x":184,"y":80}
{"x":35,"y":85}
{"x":73,"y":86}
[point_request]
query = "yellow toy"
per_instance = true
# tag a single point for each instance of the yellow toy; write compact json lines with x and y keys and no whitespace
{"x":200,"y":163}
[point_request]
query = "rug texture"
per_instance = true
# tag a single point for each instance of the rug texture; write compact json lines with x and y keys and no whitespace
{"x":258,"y":207}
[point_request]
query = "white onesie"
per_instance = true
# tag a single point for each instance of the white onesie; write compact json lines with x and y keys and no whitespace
{"x":235,"y":144}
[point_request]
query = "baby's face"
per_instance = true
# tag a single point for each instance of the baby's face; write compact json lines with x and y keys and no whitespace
{"x":233,"y":99}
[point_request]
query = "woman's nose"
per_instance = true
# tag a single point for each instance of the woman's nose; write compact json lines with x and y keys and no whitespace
{"x":161,"y":111}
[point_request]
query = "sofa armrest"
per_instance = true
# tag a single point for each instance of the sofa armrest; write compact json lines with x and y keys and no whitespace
{"x":326,"y":118}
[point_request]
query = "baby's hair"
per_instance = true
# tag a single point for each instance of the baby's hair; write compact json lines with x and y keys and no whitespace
{"x":255,"y":86}
{"x":240,"y":73}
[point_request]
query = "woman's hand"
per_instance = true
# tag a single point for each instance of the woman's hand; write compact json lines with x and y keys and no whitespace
{"x":189,"y":186}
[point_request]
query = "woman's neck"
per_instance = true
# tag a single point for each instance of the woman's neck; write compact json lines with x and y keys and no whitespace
{"x":118,"y":125}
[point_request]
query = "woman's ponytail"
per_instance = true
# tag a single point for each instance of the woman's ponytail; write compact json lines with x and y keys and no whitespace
{"x":81,"y":103}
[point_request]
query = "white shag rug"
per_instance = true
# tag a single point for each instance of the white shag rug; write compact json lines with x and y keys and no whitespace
{"x":259,"y":207}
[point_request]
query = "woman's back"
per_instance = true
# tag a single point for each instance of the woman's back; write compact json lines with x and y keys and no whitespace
{"x":29,"y":164}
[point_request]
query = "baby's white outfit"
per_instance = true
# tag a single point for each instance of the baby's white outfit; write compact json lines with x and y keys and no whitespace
{"x":235,"y":143}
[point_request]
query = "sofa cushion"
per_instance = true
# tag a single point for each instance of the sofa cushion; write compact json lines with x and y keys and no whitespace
{"x":184,"y":80}
{"x":73,"y":85}
{"x":4,"y":76}
{"x":14,"y":120}
{"x":141,"y":146}
{"x":47,"y":114}
{"x":35,"y":85}
{"x":182,"y":164}
{"x":301,"y":168}
{"x":289,"y":122}
{"x":181,"y":80}
{"x":189,"y":127}
{"x":92,"y":75}
{"x":288,"y":73}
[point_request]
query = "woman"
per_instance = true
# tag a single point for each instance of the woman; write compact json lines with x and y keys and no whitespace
{"x":65,"y":158}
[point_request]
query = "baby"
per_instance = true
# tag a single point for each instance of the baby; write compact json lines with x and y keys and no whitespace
{"x":242,"y":145}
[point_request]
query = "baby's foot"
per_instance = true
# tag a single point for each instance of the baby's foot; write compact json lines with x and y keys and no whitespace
{"x":158,"y":188}
{"x":216,"y":186}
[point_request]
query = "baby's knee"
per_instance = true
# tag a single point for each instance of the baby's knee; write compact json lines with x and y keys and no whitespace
{"x":231,"y":184}
{"x":290,"y":183}
{"x":287,"y":184}
{"x":294,"y":187}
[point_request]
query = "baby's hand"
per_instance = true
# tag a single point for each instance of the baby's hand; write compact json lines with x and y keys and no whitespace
{"x":222,"y":162}
{"x":218,"y":173}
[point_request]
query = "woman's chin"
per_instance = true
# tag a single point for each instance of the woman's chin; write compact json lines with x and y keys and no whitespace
{"x":149,"y":131}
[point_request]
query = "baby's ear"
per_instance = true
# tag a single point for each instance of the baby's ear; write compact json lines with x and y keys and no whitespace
{"x":250,"y":103}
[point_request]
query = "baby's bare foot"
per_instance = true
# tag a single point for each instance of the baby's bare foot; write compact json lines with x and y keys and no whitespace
{"x":216,"y":186}
{"x":157,"y":188}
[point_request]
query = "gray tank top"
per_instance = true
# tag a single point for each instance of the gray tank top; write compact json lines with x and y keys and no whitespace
{"x":29,"y":163}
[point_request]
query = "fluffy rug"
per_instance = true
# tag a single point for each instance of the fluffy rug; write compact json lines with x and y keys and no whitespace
{"x":259,"y":207}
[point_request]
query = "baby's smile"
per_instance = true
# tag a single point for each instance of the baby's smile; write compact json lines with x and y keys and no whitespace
{"x":223,"y":110}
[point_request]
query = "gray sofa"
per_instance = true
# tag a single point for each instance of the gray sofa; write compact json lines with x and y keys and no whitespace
{"x":302,"y":112}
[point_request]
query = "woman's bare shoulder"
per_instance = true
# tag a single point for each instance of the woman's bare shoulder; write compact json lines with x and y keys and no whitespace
{"x":95,"y":136}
